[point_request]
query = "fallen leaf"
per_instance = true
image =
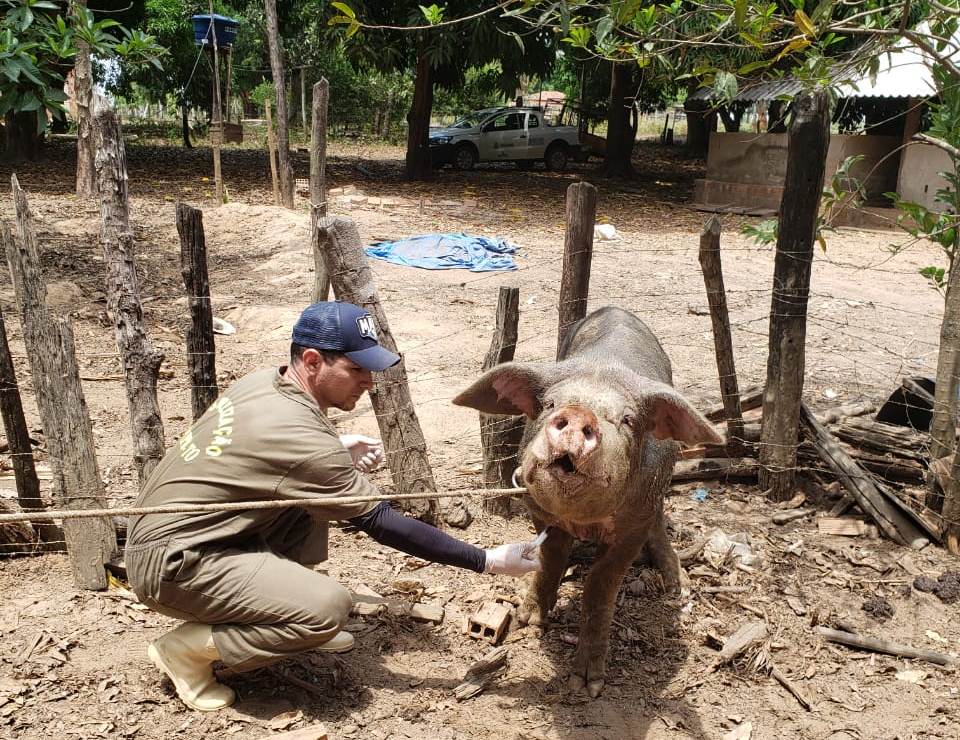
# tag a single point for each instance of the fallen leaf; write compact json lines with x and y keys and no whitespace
{"x":284,"y":720}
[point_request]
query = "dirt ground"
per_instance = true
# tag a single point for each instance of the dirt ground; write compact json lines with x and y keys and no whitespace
{"x":73,"y":663}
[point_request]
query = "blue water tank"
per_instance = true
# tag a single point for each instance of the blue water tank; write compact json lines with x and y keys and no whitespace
{"x":225,"y":28}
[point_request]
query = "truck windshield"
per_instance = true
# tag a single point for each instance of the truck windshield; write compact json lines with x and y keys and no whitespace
{"x":471,"y":120}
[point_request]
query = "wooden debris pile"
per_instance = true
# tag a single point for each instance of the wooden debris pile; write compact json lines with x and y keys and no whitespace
{"x":881,"y":467}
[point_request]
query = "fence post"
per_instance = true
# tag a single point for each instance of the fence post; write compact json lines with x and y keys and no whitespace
{"x":806,"y":156}
{"x":318,"y":185}
{"x":500,"y":435}
{"x":399,"y":427}
{"x":272,"y":152}
{"x":710,"y":264}
{"x":63,"y":408}
{"x":577,"y":254}
{"x":201,"y":348}
{"x":18,"y":435}
{"x":141,"y":361}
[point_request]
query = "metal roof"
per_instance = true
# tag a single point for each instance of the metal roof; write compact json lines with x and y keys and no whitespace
{"x":904,"y":72}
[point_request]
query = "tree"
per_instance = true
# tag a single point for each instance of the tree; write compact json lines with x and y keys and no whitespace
{"x":283,"y":139}
{"x":38,"y":47}
{"x":441,"y":54}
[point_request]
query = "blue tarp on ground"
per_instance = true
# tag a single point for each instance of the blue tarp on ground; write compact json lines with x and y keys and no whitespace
{"x":447,"y":252}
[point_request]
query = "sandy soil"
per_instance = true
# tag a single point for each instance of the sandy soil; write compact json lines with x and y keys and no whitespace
{"x":873,"y":319}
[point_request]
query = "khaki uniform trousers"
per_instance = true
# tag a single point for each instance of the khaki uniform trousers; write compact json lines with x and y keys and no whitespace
{"x":262,"y":600}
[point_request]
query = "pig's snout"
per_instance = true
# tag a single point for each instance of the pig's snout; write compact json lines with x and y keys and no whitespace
{"x":572,"y":431}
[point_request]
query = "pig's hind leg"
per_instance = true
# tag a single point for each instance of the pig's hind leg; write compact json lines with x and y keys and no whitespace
{"x":663,"y":557}
{"x":542,"y":594}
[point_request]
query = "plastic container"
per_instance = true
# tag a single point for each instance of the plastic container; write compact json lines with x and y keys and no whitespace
{"x":225,"y":28}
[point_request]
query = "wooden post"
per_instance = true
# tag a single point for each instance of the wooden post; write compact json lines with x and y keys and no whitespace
{"x":399,"y":427}
{"x":18,"y":435}
{"x":201,"y":349}
{"x":141,"y":361}
{"x":226,"y":106}
{"x":861,"y":485}
{"x":500,"y":435}
{"x":272,"y":153}
{"x":303,"y":99}
{"x":799,"y":207}
{"x":216,"y":124}
{"x":577,"y":254}
{"x":942,"y":428}
{"x":63,"y":408}
{"x":283,"y":139}
{"x":710,"y":263}
{"x":318,"y":185}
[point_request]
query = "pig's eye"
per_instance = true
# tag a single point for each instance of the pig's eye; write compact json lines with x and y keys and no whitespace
{"x":630,"y":420}
{"x":548,"y":405}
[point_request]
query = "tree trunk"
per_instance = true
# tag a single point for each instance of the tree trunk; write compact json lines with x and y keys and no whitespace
{"x":942,"y":428}
{"x":23,"y":140}
{"x":318,"y":186}
{"x":701,"y":121}
{"x":418,"y":122}
{"x":731,"y":118}
{"x":141,"y":362}
{"x":283,"y":136}
{"x":799,"y":207}
{"x":83,"y":98}
{"x":617,"y":162}
{"x":185,"y":124}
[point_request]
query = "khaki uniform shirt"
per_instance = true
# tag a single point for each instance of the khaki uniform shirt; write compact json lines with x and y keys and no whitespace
{"x":263,"y":439}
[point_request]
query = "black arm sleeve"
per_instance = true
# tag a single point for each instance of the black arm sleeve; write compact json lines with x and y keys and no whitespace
{"x":414,"y":537}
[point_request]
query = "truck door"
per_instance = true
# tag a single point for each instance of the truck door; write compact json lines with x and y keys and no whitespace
{"x":502,"y":136}
{"x":536,"y":137}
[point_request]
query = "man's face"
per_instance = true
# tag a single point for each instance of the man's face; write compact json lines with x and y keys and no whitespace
{"x":339,"y":383}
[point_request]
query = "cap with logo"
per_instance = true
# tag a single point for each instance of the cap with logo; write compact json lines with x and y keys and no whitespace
{"x":343,"y":327}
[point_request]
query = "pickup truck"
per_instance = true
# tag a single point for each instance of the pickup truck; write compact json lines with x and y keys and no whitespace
{"x":518,"y":135}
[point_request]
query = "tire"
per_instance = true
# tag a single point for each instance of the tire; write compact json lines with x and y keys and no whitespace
{"x":464,"y":157}
{"x":525,"y":164}
{"x":556,"y":157}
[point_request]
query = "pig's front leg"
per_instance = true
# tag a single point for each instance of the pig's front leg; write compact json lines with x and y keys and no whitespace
{"x":542,"y":594}
{"x":599,"y":599}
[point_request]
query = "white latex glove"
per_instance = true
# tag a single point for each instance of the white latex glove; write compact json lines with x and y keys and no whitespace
{"x":366,"y":452}
{"x":514,"y":559}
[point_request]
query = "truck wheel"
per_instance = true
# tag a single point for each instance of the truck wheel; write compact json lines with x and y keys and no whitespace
{"x":556,"y":158}
{"x":465,"y":157}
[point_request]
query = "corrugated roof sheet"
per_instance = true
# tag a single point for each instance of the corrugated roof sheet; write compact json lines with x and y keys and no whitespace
{"x":903,"y":73}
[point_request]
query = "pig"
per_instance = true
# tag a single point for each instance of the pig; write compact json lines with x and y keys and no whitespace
{"x":596,"y":458}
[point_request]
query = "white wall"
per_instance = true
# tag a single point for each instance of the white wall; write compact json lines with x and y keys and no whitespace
{"x":919,"y":178}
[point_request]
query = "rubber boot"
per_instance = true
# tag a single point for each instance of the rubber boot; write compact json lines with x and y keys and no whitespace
{"x":186,"y":654}
{"x":342,"y":642}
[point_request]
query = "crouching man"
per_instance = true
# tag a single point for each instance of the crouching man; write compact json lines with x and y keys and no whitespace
{"x":240,"y":580}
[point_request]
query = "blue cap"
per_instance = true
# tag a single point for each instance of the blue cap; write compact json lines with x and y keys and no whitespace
{"x":343,"y":327}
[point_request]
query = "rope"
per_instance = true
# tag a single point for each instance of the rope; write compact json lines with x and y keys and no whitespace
{"x":49,"y":516}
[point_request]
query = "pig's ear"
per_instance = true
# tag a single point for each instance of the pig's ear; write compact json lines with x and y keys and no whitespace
{"x":513,"y":388}
{"x":672,"y":417}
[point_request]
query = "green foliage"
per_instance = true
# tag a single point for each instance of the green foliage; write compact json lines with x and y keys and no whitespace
{"x":38,"y":44}
{"x":263,"y":92}
{"x":764,"y":233}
